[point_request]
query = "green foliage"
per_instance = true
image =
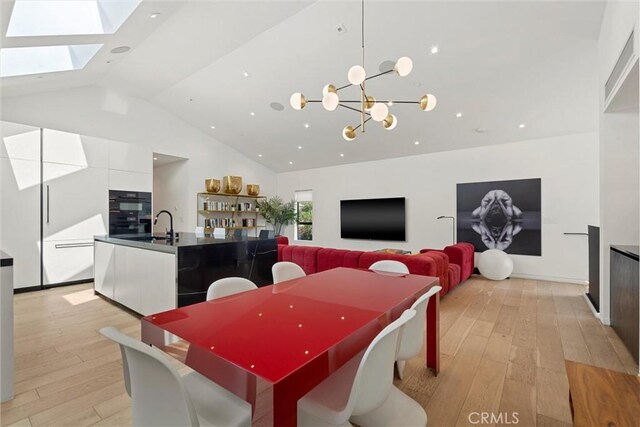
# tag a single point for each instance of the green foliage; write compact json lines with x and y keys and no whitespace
{"x":276,"y":212}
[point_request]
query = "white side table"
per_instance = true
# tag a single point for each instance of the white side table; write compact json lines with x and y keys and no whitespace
{"x":6,"y":327}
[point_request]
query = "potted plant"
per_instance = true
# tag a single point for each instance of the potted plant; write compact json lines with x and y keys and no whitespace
{"x":276,"y":212}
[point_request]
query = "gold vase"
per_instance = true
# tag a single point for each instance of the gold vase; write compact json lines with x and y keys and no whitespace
{"x":232,"y":184}
{"x":253,"y":189}
{"x":212,"y":185}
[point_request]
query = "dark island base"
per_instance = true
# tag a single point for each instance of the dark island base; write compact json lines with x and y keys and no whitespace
{"x":199,"y":266}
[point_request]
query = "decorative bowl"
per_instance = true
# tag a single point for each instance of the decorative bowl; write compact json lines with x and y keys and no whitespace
{"x":232,"y":184}
{"x":253,"y":189}
{"x":212,"y":185}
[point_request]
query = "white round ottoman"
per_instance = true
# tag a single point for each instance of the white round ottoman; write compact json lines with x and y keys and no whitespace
{"x":495,"y":264}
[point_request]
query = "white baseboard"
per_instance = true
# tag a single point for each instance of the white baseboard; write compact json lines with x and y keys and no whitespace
{"x":593,"y":309}
{"x":550,"y":278}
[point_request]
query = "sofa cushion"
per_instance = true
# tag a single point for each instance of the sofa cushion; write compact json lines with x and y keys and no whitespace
{"x":454,"y":275}
{"x":462,"y":254}
{"x":329,"y":258}
{"x":282,"y":240}
{"x":442,"y":263}
{"x":304,"y":256}
{"x":418,"y":264}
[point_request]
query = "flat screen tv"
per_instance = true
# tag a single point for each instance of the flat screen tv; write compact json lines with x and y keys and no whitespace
{"x":373,"y":219}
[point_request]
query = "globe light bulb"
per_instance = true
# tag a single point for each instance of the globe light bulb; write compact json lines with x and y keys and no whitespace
{"x":328,"y":88}
{"x":356,"y":75}
{"x":428,"y":102}
{"x":348,"y":133}
{"x":330,"y":101}
{"x":298,"y":101}
{"x":379,"y":112}
{"x":404,"y":66}
{"x":390,"y":122}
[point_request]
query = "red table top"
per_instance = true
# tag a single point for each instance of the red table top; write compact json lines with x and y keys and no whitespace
{"x":275,"y":330}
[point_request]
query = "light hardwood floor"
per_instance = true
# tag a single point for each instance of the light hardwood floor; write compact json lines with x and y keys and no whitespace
{"x":503,"y":346}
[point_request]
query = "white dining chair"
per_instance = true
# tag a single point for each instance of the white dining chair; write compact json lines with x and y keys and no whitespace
{"x":161,"y":397}
{"x":390,"y":266}
{"x":362,"y":390}
{"x":229,"y":286}
{"x":413,"y":333}
{"x":285,"y":270}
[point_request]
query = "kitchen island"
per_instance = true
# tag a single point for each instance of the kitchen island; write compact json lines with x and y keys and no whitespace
{"x":150,"y":274}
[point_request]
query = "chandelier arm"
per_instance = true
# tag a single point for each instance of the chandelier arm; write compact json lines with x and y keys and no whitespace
{"x":357,"y":127}
{"x":352,"y":109}
{"x":379,"y":74}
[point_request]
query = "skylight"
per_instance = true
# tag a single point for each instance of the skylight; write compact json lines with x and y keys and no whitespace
{"x":68,"y":17}
{"x":20,"y":61}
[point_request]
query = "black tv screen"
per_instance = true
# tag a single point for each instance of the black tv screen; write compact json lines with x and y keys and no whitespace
{"x":373,"y":219}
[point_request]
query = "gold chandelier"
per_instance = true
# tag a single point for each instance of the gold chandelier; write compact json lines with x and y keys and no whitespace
{"x":370,"y":108}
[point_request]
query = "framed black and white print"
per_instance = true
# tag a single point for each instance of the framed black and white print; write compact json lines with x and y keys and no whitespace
{"x":504,"y":215}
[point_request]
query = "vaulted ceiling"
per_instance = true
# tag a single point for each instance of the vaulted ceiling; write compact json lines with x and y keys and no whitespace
{"x":501,"y":64}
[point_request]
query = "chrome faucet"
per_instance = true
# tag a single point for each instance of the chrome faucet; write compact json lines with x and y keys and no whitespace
{"x":170,"y":232}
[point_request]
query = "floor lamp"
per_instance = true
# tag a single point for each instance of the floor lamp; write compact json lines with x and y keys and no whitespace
{"x":453,"y":231}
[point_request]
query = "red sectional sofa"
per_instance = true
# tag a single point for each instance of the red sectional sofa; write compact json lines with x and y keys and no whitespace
{"x":313,"y":259}
{"x":462,"y":255}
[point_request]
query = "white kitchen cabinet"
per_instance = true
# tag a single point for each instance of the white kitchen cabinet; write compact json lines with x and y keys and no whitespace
{"x":129,"y":277}
{"x":145,"y":280}
{"x":20,"y":201}
{"x":104,"y":268}
{"x":75,"y":208}
{"x":66,"y":261}
{"x":20,"y":142}
{"x":159,"y":291}
{"x":130,"y":181}
{"x":74,"y":149}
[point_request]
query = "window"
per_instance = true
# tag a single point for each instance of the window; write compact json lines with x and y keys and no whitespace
{"x":304,"y":215}
{"x":20,"y":61}
{"x":68,"y":17}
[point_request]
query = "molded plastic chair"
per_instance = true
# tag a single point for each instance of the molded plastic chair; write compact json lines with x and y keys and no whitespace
{"x":161,"y":397}
{"x":390,"y":266}
{"x":362,"y":390}
{"x":412,"y":337}
{"x":229,"y":286}
{"x":285,"y":270}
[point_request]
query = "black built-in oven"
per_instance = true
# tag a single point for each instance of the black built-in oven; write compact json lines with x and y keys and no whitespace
{"x":129,"y":213}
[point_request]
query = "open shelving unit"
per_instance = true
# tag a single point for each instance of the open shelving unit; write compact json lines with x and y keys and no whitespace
{"x":229,"y":211}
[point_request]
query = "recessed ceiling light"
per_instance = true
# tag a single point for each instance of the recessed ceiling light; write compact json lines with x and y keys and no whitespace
{"x":155,"y":158}
{"x":435,"y":49}
{"x":212,"y":127}
{"x":306,"y":125}
{"x":299,"y":147}
{"x":521,"y":125}
{"x":245,"y":74}
{"x":259,"y":155}
{"x":458,"y":115}
{"x":480,"y":130}
{"x":341,"y":154}
{"x":252,"y":113}
{"x":154,"y":15}
{"x":120,"y":49}
{"x":416,"y":143}
{"x":290,"y":163}
{"x":390,"y":103}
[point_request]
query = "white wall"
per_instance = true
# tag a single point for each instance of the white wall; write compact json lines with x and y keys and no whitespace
{"x":169,"y":194}
{"x":100,"y":112}
{"x":619,"y":149}
{"x":568,"y":166}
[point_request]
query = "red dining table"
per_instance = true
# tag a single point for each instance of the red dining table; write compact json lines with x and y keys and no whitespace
{"x":293,"y":334}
